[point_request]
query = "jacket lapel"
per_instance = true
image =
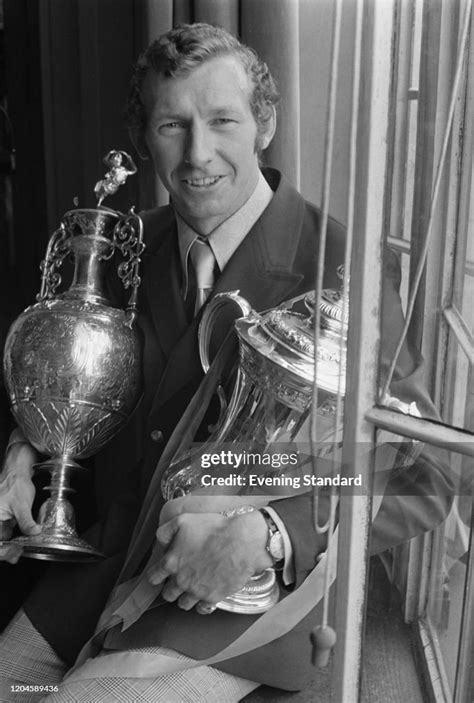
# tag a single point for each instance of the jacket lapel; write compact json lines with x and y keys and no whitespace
{"x":161,"y":274}
{"x":261,"y":268}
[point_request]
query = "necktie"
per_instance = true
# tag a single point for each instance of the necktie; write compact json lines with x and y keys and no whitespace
{"x":203,"y":261}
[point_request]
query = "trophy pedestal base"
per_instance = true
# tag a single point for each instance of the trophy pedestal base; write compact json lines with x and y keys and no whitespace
{"x":48,"y":547}
{"x":257,"y":596}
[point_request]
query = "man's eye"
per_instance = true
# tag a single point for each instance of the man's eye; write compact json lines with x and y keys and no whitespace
{"x":171,"y":127}
{"x":224,"y":121}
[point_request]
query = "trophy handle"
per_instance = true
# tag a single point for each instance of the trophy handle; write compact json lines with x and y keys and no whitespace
{"x":209,"y":316}
{"x":206,"y":327}
{"x":58,"y":249}
{"x":128,"y":238}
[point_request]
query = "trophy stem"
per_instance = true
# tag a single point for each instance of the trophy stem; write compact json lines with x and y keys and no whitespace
{"x":58,"y":540}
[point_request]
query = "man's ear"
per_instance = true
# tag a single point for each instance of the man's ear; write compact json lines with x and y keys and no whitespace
{"x":138,"y":140}
{"x":268,"y":133}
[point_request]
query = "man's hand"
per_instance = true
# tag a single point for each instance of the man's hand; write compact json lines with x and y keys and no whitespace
{"x":17,"y":493}
{"x":209,"y":556}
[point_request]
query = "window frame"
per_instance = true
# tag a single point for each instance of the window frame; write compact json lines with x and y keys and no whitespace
{"x":441,"y":26}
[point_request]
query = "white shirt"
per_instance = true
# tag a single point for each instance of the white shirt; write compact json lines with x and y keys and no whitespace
{"x":225,"y":239}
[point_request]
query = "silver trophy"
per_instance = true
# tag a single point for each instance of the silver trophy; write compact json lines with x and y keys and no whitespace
{"x":271,"y":401}
{"x":72,"y":361}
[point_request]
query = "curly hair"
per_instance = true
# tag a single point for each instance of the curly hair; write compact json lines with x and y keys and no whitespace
{"x":184,"y":48}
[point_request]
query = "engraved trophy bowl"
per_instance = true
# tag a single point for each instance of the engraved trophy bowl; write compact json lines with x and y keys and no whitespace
{"x":271,"y":399}
{"x":72,"y":361}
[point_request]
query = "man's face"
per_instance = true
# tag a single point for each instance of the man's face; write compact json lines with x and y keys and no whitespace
{"x":201,"y":134}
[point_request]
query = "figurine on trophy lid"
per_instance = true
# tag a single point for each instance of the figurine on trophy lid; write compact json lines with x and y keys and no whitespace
{"x":72,"y":361}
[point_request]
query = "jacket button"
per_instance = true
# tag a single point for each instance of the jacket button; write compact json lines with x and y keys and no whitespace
{"x":157,"y":436}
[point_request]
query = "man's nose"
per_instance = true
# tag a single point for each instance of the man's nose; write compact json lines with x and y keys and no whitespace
{"x":199,"y":146}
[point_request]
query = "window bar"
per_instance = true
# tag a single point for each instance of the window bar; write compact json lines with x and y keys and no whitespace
{"x":398,"y":137}
{"x":436,"y":679}
{"x":453,"y":377}
{"x":448,"y":249}
{"x":461,"y":331}
{"x":464,"y":674}
{"x":374,"y":23}
{"x":435,"y":192}
{"x":439,"y":435}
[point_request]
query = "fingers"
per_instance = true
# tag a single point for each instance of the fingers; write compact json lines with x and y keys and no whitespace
{"x":187,"y":601}
{"x":25,"y":519}
{"x":10,"y":552}
{"x":6,"y":529}
{"x":19,"y":458}
{"x":171,"y":591}
{"x":167,"y":531}
{"x":205,"y":608}
{"x":167,"y":566}
{"x":17,"y":493}
{"x":24,"y":496}
{"x":157,"y":574}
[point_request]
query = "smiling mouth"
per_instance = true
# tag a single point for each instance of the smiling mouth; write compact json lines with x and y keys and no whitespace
{"x":202,"y":182}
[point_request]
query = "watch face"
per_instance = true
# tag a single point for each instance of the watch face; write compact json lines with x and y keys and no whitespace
{"x":276,"y":547}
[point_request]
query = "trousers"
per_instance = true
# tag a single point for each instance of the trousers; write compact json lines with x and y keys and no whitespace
{"x":32,"y":672}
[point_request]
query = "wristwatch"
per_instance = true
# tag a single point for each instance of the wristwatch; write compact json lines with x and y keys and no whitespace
{"x":275,"y":545}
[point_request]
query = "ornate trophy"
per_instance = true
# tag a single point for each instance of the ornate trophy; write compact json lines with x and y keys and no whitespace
{"x":271,"y":401}
{"x":72,"y":361}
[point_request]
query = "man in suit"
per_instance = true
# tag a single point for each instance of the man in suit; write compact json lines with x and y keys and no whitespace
{"x":203,"y":107}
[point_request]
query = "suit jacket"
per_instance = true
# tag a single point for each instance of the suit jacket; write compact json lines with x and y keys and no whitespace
{"x":276,"y":260}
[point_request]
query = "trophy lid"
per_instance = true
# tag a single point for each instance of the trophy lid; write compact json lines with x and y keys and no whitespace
{"x":292,"y":330}
{"x":286,"y":337}
{"x":334,"y":315}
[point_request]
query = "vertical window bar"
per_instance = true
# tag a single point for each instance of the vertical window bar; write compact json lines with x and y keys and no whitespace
{"x":398,"y":136}
{"x":429,"y":223}
{"x":425,"y":156}
{"x":367,"y":196}
{"x":413,"y":105}
{"x":400,"y":165}
{"x":453,"y":378}
{"x":465,"y":672}
{"x":451,"y":238}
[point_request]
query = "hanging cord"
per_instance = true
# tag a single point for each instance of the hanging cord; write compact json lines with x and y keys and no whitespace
{"x":323,"y":637}
{"x":350,"y":201}
{"x":327,"y":169}
{"x":434,"y":198}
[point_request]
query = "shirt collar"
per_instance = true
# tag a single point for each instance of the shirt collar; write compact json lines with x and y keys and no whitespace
{"x":226,"y":238}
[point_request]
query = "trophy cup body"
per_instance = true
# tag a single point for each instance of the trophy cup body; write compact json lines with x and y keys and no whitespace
{"x":73,"y":365}
{"x":270,"y":403}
